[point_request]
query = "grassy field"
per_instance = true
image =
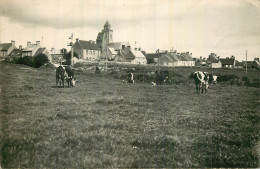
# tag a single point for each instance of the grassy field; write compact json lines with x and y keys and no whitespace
{"x":105,"y":122}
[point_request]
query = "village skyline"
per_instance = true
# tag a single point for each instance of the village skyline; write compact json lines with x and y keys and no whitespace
{"x":200,"y":27}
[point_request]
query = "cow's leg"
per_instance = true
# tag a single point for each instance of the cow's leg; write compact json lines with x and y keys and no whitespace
{"x":68,"y":81}
{"x":57,"y":81}
{"x":63,"y":83}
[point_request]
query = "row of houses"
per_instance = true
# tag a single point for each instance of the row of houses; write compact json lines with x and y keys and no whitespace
{"x":33,"y":50}
{"x":104,"y":48}
{"x":215,"y":61}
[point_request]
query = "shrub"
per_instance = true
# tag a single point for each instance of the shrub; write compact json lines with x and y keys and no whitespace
{"x":39,"y":60}
{"x":27,"y":60}
{"x":245,"y":79}
{"x":222,"y":78}
{"x":254,"y":83}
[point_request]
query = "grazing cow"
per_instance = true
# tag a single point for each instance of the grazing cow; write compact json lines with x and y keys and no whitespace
{"x":60,"y":71}
{"x":130,"y":77}
{"x":65,"y":73}
{"x":71,"y":80}
{"x":201,"y":81}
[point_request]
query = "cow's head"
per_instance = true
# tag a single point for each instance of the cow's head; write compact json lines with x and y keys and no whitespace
{"x":73,"y":82}
{"x":214,"y":79}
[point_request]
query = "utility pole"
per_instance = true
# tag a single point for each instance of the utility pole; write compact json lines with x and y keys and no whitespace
{"x":158,"y":61}
{"x":246,"y":61}
{"x":71,"y":44}
{"x":106,"y":60}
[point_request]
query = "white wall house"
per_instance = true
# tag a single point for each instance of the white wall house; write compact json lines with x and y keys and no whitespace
{"x":139,"y":57}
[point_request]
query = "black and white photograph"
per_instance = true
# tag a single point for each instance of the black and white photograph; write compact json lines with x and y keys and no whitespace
{"x":129,"y":84}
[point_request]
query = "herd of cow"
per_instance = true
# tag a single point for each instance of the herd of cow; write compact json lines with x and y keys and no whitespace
{"x":201,"y":79}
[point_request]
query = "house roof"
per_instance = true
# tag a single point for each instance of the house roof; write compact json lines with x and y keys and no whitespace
{"x":127,"y":54}
{"x":165,"y":58}
{"x":144,"y":53}
{"x":240,"y":64}
{"x":112,"y":50}
{"x":5,"y":46}
{"x":186,"y":57}
{"x":174,"y":57}
{"x":212,"y":59}
{"x":118,"y":45}
{"x":151,"y":55}
{"x":30,"y":47}
{"x":39,"y":51}
{"x":138,"y":53}
{"x":16,"y":52}
{"x":227,"y":61}
{"x":88,"y":45}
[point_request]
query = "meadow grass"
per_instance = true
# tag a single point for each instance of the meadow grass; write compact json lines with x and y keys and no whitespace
{"x":105,"y":122}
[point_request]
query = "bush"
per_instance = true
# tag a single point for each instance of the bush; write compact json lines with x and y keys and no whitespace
{"x":254,"y":83}
{"x":27,"y":60}
{"x":222,"y":78}
{"x":39,"y":60}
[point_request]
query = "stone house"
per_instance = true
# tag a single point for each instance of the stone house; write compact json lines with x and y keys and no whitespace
{"x":87,"y":50}
{"x":6,"y":49}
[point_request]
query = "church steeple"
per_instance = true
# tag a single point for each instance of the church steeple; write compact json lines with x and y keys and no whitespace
{"x":107,"y":26}
{"x":105,"y":36}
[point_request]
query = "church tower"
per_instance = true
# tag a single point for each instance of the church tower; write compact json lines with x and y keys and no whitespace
{"x":105,"y":37}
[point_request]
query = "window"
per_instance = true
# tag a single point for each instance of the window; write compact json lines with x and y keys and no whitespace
{"x":93,"y":52}
{"x":90,"y":52}
{"x":86,"y":51}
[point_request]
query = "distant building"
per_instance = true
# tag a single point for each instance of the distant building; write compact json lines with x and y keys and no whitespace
{"x":130,"y":55}
{"x":139,"y":57}
{"x":31,"y":49}
{"x":6,"y":49}
{"x":16,"y":52}
{"x":105,"y":37}
{"x":34,"y":50}
{"x":113,"y":48}
{"x":124,"y":55}
{"x":228,"y":62}
{"x":87,"y":50}
{"x":213,"y":61}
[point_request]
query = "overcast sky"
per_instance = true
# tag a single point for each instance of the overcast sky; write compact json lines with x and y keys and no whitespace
{"x":225,"y":27}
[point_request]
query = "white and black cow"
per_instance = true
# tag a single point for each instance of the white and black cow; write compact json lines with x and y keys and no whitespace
{"x":201,"y":80}
{"x":65,"y":73}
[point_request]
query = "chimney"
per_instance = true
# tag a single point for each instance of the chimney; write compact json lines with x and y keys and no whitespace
{"x":38,"y":43}
{"x":77,"y":40}
{"x":28,"y":43}
{"x":13,"y":42}
{"x":20,"y":47}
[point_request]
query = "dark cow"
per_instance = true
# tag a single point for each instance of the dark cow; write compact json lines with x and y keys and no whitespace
{"x":130,"y":78}
{"x":69,"y":77}
{"x":65,"y":73}
{"x":201,"y":81}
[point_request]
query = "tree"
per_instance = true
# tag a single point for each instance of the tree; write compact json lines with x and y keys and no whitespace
{"x":63,"y":51}
{"x":67,"y":56}
{"x":40,"y":60}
